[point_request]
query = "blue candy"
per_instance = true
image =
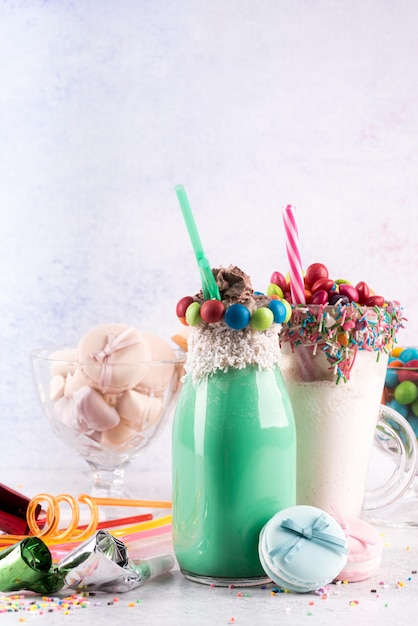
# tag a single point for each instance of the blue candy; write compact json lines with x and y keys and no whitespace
{"x":279,"y":311}
{"x":408,"y":354}
{"x":396,"y":406}
{"x":391,"y":379}
{"x":237,"y":316}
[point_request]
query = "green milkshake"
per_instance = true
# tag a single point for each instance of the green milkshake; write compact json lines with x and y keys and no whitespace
{"x":234,"y":445}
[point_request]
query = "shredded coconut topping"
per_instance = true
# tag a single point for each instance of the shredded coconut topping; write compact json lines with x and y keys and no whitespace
{"x":217,"y":347}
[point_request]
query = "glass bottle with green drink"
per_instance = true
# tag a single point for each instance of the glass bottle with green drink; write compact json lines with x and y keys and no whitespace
{"x":234,"y":443}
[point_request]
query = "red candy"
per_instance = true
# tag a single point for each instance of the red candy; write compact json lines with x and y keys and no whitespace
{"x":182,"y":305}
{"x":349,"y":291}
{"x":322,"y":283}
{"x":320,"y":297}
{"x":363,"y":292}
{"x":407,"y":374}
{"x":321,"y":289}
{"x":412,"y":363}
{"x":411,"y":375}
{"x":212,"y":311}
{"x":278,"y":279}
{"x":315,"y":272}
{"x":375,"y":301}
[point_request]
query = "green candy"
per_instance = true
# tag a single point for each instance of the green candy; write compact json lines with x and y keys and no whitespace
{"x":406,"y":392}
{"x":193,"y":314}
{"x":274,"y":290}
{"x":262,"y":318}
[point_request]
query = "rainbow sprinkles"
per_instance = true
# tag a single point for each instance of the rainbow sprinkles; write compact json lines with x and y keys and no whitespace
{"x":341,"y":330}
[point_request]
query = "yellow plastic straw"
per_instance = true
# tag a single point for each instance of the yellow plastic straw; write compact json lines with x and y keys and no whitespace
{"x":152,"y":504}
{"x":160,"y":521}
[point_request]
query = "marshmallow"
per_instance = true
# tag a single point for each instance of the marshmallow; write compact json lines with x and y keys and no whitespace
{"x":92,"y":410}
{"x":73,"y":382}
{"x":120,"y":435}
{"x":113,"y":357}
{"x":140,"y":410}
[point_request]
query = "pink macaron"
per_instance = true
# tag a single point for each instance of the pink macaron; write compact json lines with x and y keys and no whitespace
{"x":365,"y":547}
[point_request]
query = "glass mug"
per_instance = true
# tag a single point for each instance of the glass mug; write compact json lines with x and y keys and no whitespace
{"x":337,"y":425}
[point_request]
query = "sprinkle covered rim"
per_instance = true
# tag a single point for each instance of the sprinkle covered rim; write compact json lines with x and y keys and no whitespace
{"x":341,"y":330}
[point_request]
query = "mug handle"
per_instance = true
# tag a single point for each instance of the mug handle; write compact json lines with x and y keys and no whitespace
{"x":395,"y":437}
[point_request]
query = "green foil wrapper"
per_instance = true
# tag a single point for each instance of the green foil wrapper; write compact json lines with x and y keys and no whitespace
{"x":28,"y":565}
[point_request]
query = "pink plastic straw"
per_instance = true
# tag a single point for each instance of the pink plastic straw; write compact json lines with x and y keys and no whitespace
{"x":297,"y":285}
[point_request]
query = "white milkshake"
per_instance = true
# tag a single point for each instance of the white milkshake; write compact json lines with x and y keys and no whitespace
{"x":335,"y":425}
{"x":334,"y":361}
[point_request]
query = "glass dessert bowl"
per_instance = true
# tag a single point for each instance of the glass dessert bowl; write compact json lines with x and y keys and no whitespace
{"x":107,"y":422}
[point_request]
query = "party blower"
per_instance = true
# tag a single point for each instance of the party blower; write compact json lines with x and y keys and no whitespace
{"x":99,"y":564}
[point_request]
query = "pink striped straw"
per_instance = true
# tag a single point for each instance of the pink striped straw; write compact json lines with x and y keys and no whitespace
{"x":297,"y":285}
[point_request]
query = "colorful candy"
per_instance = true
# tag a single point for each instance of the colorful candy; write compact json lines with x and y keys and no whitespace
{"x":237,"y":316}
{"x":212,"y":311}
{"x":239,"y":306}
{"x":320,"y":289}
{"x":281,"y":312}
{"x":262,"y":318}
{"x":338,"y":318}
{"x":315,"y":272}
{"x":401,"y":384}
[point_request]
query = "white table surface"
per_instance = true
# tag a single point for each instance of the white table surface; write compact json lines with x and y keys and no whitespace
{"x":390,"y":596}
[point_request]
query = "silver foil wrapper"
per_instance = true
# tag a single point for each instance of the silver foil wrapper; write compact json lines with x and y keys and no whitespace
{"x":102,"y":564}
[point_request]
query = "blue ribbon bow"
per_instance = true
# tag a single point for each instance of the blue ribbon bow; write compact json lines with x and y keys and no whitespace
{"x":315,"y":533}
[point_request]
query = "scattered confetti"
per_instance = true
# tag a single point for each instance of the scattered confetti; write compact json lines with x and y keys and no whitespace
{"x":20,"y":603}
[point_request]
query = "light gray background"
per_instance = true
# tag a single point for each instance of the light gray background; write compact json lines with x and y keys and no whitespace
{"x":106,"y":105}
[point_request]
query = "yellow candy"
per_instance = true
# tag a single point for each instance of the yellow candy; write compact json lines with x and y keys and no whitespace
{"x":397,"y":350}
{"x":288,"y":311}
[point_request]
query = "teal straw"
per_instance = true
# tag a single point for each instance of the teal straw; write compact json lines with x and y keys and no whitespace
{"x":209,"y":287}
